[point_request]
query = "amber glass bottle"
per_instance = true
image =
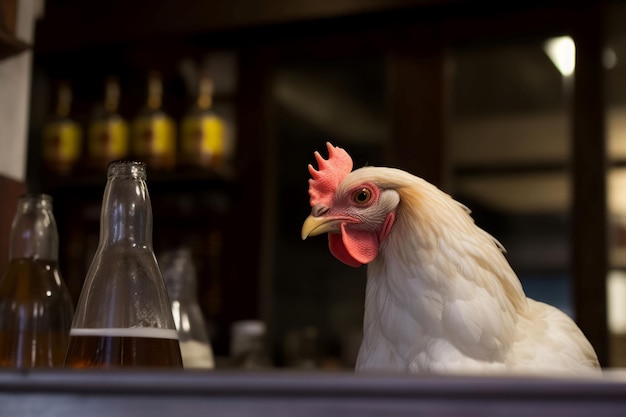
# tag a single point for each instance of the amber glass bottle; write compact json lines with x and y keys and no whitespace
{"x":62,"y":136}
{"x":123,"y":317}
{"x":203,"y":138}
{"x":35,"y":305}
{"x":154,"y":134}
{"x":108,"y":130}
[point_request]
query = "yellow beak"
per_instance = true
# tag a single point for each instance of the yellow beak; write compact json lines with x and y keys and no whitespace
{"x":314,"y":226}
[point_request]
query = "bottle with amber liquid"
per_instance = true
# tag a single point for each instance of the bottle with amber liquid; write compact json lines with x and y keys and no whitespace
{"x":35,"y":304}
{"x":108,"y":130}
{"x":62,"y":136}
{"x":154,"y":135}
{"x":204,"y":142}
{"x":123,"y":317}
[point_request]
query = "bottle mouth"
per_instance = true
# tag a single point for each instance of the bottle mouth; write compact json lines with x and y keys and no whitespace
{"x":35,"y":200}
{"x":127,"y":169}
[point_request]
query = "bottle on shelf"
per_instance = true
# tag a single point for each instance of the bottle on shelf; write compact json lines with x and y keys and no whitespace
{"x":62,"y":136}
{"x":154,"y":135}
{"x":108,"y":130}
{"x":124,"y":317}
{"x":35,"y":304}
{"x":180,"y":277}
{"x":248,"y":348}
{"x":204,"y":142}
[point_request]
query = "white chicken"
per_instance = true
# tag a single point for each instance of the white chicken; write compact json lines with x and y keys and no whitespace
{"x":441,"y":296}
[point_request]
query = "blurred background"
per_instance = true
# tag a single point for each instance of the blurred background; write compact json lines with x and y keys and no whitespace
{"x":516,"y":109}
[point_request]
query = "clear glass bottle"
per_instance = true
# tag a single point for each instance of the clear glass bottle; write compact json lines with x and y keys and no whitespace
{"x":203,"y":136}
{"x":154,"y":135}
{"x":108,"y":130}
{"x":35,"y":304}
{"x":62,"y":136}
{"x":123,"y":317}
{"x":180,"y":277}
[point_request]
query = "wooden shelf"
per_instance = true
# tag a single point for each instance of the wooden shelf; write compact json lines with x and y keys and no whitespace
{"x":179,"y":179}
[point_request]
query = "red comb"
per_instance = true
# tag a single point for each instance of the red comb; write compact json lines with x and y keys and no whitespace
{"x":330,"y":173}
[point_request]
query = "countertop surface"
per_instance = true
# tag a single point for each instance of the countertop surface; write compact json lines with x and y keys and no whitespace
{"x":44,"y":393}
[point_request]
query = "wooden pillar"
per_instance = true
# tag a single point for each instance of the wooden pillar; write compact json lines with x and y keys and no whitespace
{"x":244,"y":284}
{"x":416,"y":82}
{"x":10,"y":190}
{"x":589,"y":202}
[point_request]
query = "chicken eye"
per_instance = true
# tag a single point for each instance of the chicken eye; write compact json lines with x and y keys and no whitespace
{"x":362,"y":196}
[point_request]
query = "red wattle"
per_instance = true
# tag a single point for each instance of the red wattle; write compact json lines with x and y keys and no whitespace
{"x":353,"y":247}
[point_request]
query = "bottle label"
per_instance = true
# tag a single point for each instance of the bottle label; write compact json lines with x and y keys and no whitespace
{"x":154,"y":136}
{"x":62,"y":142}
{"x":203,"y":138}
{"x":108,"y":139}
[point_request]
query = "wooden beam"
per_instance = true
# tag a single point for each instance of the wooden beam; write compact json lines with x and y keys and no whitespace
{"x":416,"y":81}
{"x":75,"y":23}
{"x":589,"y":202}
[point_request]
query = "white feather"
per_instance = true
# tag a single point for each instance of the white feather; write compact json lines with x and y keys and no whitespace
{"x":441,"y":297}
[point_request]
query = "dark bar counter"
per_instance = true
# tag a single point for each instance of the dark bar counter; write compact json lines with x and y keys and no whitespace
{"x":70,"y":393}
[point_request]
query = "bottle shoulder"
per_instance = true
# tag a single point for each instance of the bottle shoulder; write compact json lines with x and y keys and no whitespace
{"x":30,"y":280}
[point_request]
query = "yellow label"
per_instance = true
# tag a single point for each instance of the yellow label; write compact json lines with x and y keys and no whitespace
{"x":62,"y":142}
{"x":108,"y":139}
{"x":154,"y":136}
{"x":203,"y":135}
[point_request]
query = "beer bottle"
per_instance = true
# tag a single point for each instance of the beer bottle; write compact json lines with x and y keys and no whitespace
{"x":180,"y":277}
{"x":204,"y":141}
{"x":62,"y":136}
{"x":123,"y":317}
{"x":35,"y":304}
{"x":108,"y":130}
{"x":154,"y":140}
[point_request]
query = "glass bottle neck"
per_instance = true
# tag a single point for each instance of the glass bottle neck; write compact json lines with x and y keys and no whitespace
{"x":126,"y":210}
{"x":34,"y":232}
{"x":155,"y":92}
{"x":64,"y":101}
{"x":205,"y":93}
{"x":111,"y":96}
